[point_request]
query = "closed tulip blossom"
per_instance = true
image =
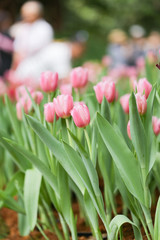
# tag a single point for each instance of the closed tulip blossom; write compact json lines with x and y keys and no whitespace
{"x":109,"y":91}
{"x":79,"y":77}
{"x":20,"y":106}
{"x":124,"y":101}
{"x":141,"y":103}
{"x":37,"y":97}
{"x":80,"y":114}
{"x":63,"y":105}
{"x":99,"y":89}
{"x":128,"y":130}
{"x":49,"y":112}
{"x":156,"y":125}
{"x":49,"y":81}
{"x":144,"y":87}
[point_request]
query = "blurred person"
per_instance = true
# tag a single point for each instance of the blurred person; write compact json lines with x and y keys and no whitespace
{"x":6,"y":42}
{"x":118,"y":48}
{"x":56,"y":57}
{"x":152,"y":46}
{"x":137,"y":44}
{"x":32,"y":34}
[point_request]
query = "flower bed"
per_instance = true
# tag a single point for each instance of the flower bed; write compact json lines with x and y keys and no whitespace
{"x":59,"y":145}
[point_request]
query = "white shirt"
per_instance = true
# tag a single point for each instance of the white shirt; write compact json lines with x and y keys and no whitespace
{"x":32,"y":37}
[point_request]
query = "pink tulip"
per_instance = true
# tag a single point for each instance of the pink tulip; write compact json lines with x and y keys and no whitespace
{"x":156,"y":125}
{"x":49,"y":112}
{"x":37,"y":97}
{"x":79,"y":77}
{"x":21,"y":105}
{"x":144,"y":87}
{"x":128,"y":130}
{"x":80,"y":114}
{"x":124,"y":101}
{"x":66,"y":89}
{"x":141,"y":103}
{"x":109,"y":91}
{"x":49,"y":81}
{"x":21,"y":92}
{"x":99,"y":89}
{"x":63,"y":105}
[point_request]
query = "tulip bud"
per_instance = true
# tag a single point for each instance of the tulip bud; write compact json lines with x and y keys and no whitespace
{"x":49,"y":112}
{"x":128,"y":130}
{"x":109,"y":91}
{"x":63,"y":105}
{"x":156,"y":125}
{"x":99,"y":88}
{"x":144,"y":87}
{"x":3,"y":87}
{"x":141,"y":103}
{"x":21,"y":104}
{"x":80,"y":114}
{"x":49,"y":81}
{"x":79,"y":77}
{"x":124,"y":101}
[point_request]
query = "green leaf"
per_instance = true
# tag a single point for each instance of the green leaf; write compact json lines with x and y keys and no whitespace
{"x":32,"y":185}
{"x":157,"y":222}
{"x":123,"y":158}
{"x":9,"y":202}
{"x":57,"y":149}
{"x":117,"y":222}
{"x":46,"y":172}
{"x":138,"y":134}
{"x":91,"y":214}
{"x":87,"y":164}
{"x":13,"y":120}
{"x":18,"y":158}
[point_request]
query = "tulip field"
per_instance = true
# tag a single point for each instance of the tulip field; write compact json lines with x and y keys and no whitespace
{"x":90,"y":141}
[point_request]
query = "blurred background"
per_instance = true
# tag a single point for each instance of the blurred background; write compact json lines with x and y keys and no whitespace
{"x":97,"y":17}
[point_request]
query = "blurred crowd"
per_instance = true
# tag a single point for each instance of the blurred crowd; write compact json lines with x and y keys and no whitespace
{"x":129,"y":49}
{"x":28,"y":47}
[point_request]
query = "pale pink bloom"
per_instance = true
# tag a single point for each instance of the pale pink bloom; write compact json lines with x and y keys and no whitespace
{"x":63,"y":105}
{"x":21,"y":91}
{"x":49,"y":81}
{"x":109,"y":91}
{"x":66,"y":89}
{"x":140,"y":63}
{"x":141,"y":103}
{"x":124,"y":101}
{"x":156,"y":125}
{"x":144,"y":87}
{"x":99,"y":91}
{"x":80,"y":114}
{"x":37,"y":97}
{"x":128,"y":129}
{"x":79,"y":77}
{"x":49,"y":112}
{"x":106,"y":61}
{"x":3,"y":87}
{"x":21,"y":105}
{"x":107,"y":79}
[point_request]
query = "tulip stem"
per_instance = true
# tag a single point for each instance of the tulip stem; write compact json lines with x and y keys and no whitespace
{"x":88,"y":143}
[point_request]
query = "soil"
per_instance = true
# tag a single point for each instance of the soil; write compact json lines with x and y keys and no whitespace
{"x":9,"y":226}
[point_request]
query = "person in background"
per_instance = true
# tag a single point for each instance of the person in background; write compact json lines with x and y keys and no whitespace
{"x":137,"y":43}
{"x":118,"y":47}
{"x":32,"y":34}
{"x":6,"y":42}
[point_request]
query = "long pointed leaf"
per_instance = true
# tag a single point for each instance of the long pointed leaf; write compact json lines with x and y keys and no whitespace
{"x":123,"y":158}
